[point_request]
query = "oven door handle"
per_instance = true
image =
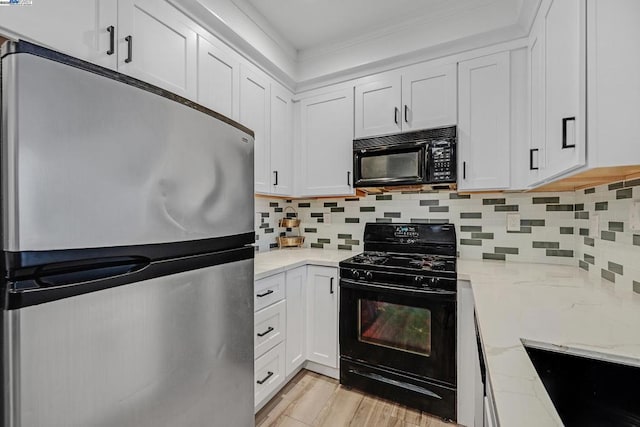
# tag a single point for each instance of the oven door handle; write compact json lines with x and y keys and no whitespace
{"x":346,"y":283}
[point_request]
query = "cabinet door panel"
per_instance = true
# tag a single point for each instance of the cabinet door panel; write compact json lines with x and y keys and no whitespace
{"x":537,"y":153}
{"x":82,"y":34}
{"x":377,"y":107}
{"x":254,"y":114}
{"x":218,"y":79}
{"x":296,"y":322}
{"x":565,"y":139}
{"x":281,"y":143}
{"x":429,"y":97}
{"x":322,"y":316}
{"x":326,"y":127}
{"x":163,"y":49}
{"x":484,"y":126}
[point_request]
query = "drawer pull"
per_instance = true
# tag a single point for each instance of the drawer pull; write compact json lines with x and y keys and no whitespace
{"x":264,"y":380}
{"x":268,"y":331}
{"x":269,"y":292}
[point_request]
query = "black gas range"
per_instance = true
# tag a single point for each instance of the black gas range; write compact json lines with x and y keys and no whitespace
{"x":398,"y":316}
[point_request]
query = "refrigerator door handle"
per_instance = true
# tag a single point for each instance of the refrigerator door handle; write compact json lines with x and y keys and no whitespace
{"x":66,"y":273}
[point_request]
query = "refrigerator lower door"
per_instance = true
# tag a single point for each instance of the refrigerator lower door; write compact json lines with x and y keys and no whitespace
{"x":170,"y":351}
{"x":92,"y":158}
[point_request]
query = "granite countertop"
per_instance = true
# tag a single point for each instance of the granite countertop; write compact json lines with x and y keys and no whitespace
{"x":557,"y":307}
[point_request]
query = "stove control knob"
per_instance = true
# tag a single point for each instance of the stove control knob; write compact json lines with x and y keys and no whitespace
{"x":419,"y":280}
{"x":355,"y":274}
{"x":368,"y":275}
{"x":433,"y":281}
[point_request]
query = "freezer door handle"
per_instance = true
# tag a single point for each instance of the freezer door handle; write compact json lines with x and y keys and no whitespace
{"x":79,"y":271}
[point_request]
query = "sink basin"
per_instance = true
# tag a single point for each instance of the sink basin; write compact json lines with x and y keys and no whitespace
{"x":589,"y":392}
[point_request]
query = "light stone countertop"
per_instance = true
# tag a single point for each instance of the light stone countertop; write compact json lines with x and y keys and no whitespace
{"x":558,"y":307}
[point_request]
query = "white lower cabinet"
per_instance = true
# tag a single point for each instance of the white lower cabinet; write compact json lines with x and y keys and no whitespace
{"x":296,"y":291}
{"x":322,"y":315}
{"x":269,"y":373}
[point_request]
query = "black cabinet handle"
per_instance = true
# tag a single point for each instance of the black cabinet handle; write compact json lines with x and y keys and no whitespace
{"x":112,"y":39}
{"x":264,"y":380}
{"x":349,"y":178}
{"x":276,"y":177}
{"x":268,"y":331}
{"x":464,"y":170}
{"x":531,"y":151}
{"x":331,"y":285}
{"x":129,"y":41}
{"x":406,"y":113}
{"x":395,"y":114}
{"x":564,"y":132}
{"x":269,"y":292}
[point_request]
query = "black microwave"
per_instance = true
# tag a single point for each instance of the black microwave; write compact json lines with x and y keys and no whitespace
{"x":413,"y":158}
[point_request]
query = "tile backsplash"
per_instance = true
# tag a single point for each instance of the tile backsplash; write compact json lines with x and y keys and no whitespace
{"x":553,"y":227}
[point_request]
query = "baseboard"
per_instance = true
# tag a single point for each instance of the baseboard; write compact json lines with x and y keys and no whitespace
{"x":322,"y":369}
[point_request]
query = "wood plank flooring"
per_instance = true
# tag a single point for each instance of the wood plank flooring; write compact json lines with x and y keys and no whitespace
{"x":314,"y":400}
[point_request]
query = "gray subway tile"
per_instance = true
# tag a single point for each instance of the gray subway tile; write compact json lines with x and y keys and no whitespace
{"x":589,"y":258}
{"x":438,"y":208}
{"x":523,"y":230}
{"x":602,"y":206}
{"x":273,"y":245}
{"x":493,"y":201}
{"x":608,"y":235}
{"x":583,"y":265}
{"x":616,"y":268}
{"x":581,"y":215}
{"x":498,"y":257}
{"x":560,"y":253}
{"x":352,"y":242}
{"x":506,"y":208}
{"x":344,"y":247}
{"x":352,"y":220}
{"x":636,"y":287}
{"x":589,"y":190}
{"x":616,"y":185}
{"x":392,"y":214}
{"x":330,"y":204}
{"x":471,"y":215}
{"x":532,"y":222}
{"x":636,"y":239}
{"x":607,"y":275}
{"x":482,"y":235}
{"x":273,"y":204}
{"x":384,"y":220}
{"x":277,"y":210}
{"x":352,"y":199}
{"x":579,"y":206}
{"x":324,"y":240}
{"x":384,"y":197}
{"x":503,"y":250}
{"x":429,"y":202}
{"x":337,"y":209}
{"x":632,"y":183}
{"x":471,"y":242}
{"x":589,"y":241}
{"x":344,"y":236}
{"x":317,"y":245}
{"x":268,"y":230}
{"x":470,"y":228}
{"x":317,"y":215}
{"x":459,"y":196}
{"x":560,"y":208}
{"x":566,"y":230}
{"x":616,"y":226}
{"x":546,"y":245}
{"x":320,"y":220}
{"x":545,"y":200}
{"x":584,"y":231}
{"x":627,"y":193}
{"x":264,"y":214}
{"x":367,"y":208}
{"x":310,"y":230}
{"x":304,"y":205}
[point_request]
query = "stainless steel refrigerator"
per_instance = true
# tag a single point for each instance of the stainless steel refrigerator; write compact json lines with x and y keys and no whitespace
{"x":127,"y":214}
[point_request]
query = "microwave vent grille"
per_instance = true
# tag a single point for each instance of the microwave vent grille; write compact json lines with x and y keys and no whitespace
{"x":418,"y":137}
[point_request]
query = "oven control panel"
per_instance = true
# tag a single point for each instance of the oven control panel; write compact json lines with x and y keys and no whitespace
{"x":426,"y":282}
{"x":442,"y":162}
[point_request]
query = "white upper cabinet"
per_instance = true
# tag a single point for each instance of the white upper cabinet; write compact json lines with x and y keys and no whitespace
{"x":429,"y":97}
{"x":156,"y":45}
{"x":255,"y":103}
{"x":484,"y":123}
{"x":377,"y":111}
{"x":326,"y":141}
{"x":557,"y":48}
{"x":281,"y":141}
{"x":80,"y":28}
{"x":420,"y":97}
{"x":218,"y":78}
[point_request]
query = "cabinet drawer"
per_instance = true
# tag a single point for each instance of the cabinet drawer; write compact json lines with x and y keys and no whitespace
{"x":268,"y":291}
{"x":269,"y":372}
{"x":269,"y":327}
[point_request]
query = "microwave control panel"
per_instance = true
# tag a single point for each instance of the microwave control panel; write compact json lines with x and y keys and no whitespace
{"x":443,"y":161}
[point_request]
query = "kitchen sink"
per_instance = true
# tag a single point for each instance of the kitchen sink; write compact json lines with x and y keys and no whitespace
{"x":589,"y":392}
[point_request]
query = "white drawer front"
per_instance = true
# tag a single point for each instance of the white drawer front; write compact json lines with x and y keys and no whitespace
{"x":269,"y":372}
{"x":268,"y":291}
{"x":270,"y":327}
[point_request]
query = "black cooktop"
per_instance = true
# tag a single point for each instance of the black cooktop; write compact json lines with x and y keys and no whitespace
{"x":406,"y":261}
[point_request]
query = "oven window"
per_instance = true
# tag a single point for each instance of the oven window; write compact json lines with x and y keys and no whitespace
{"x":395,"y":326}
{"x":398,"y":165}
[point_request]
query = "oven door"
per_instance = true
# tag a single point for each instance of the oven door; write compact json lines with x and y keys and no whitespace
{"x":403,"y":165}
{"x":407,"y":330}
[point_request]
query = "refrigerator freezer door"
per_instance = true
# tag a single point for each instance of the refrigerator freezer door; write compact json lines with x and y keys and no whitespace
{"x":92,"y":161}
{"x":171,"y":351}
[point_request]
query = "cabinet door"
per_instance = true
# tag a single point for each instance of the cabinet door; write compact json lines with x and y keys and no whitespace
{"x":484,"y":126}
{"x":565,"y":85}
{"x":322,"y":315}
{"x":218,"y":79}
{"x":79,"y":28}
{"x":326,"y":125}
{"x":296,"y":322}
{"x":537,"y":148}
{"x":281,"y":142}
{"x":377,"y":107}
{"x":429,"y":97}
{"x":255,"y":103}
{"x":155,"y":45}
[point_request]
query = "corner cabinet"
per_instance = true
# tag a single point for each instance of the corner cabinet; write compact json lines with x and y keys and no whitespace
{"x":326,"y":141}
{"x":322,"y":315}
{"x":484,"y":123}
{"x":421,"y":97}
{"x":296,"y":291}
{"x":557,"y":48}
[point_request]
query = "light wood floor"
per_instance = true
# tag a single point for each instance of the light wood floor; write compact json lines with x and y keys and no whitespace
{"x":311,"y":399}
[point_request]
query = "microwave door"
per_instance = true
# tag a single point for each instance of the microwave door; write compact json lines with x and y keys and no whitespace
{"x":383,"y":167}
